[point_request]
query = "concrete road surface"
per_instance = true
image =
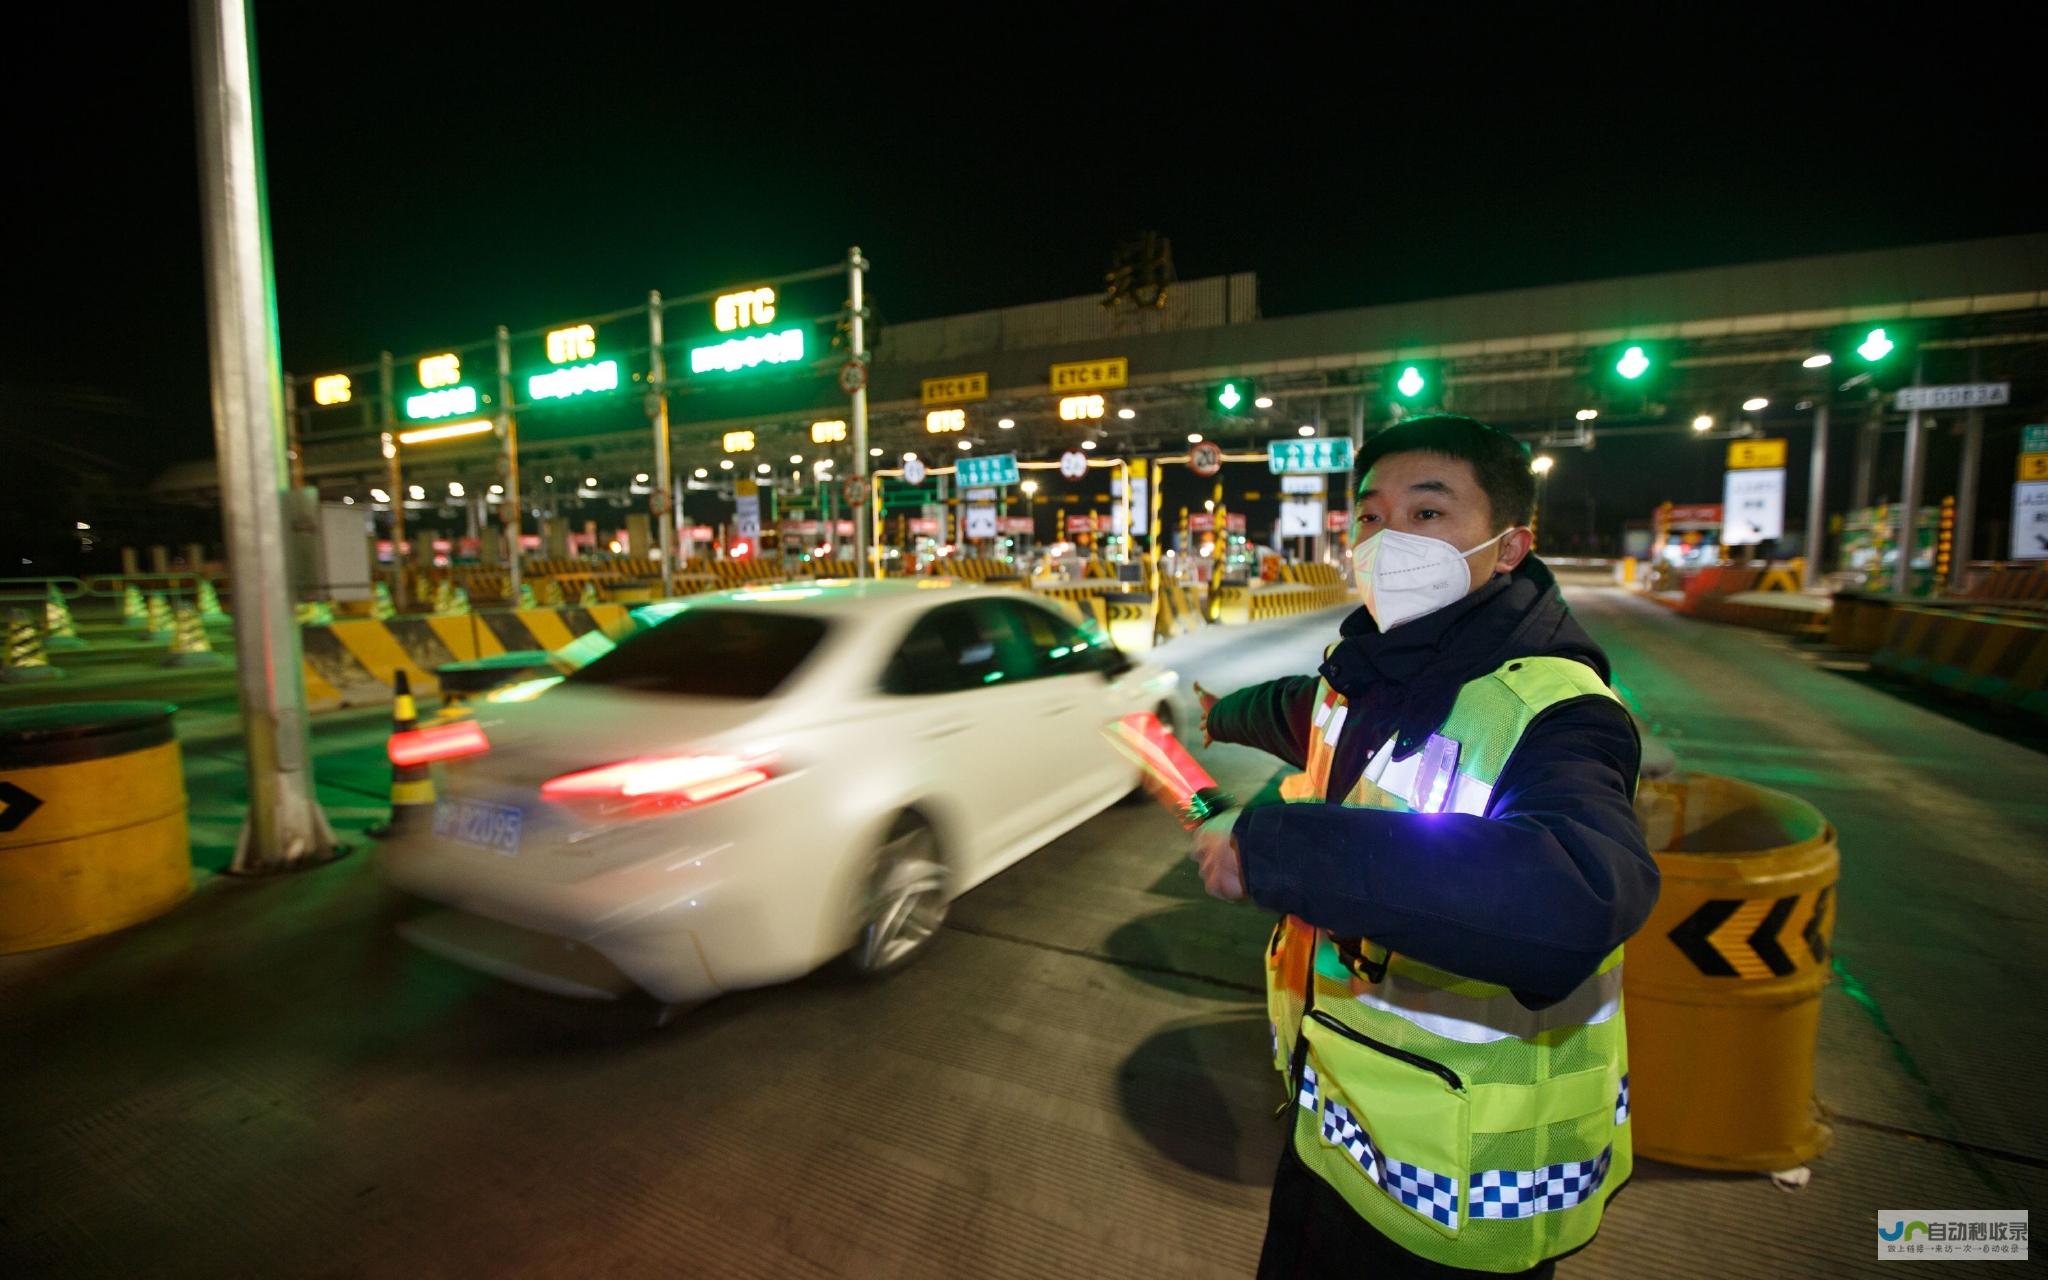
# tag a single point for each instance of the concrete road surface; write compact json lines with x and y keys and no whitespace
{"x":1073,"y":1083}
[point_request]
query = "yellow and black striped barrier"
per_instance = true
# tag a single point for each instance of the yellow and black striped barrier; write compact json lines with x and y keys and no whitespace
{"x":359,"y":659}
{"x":1999,"y":659}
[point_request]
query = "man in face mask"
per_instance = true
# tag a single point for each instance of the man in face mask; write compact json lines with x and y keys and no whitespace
{"x":1456,"y":866}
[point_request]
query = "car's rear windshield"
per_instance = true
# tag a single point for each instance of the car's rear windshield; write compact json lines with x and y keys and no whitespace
{"x":710,"y":653}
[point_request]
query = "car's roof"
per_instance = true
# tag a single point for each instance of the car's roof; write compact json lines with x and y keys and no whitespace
{"x":838,"y":596}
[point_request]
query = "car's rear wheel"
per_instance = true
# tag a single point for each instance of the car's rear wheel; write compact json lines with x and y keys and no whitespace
{"x":904,"y":901}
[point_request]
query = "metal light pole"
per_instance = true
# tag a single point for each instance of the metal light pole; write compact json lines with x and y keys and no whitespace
{"x":1909,"y":501}
{"x":657,"y":374}
{"x":508,"y":462}
{"x":1817,"y":494}
{"x":291,"y":432}
{"x":1966,"y":486}
{"x":285,"y":828}
{"x":386,"y":393}
{"x":856,"y":270}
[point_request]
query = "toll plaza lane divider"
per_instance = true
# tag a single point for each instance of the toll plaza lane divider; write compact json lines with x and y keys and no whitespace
{"x":1862,"y":619}
{"x":1761,"y":596}
{"x":2000,"y":659}
{"x":353,"y":662}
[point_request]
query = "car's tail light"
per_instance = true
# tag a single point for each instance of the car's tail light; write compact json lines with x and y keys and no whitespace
{"x":661,"y":782}
{"x":434,"y":742}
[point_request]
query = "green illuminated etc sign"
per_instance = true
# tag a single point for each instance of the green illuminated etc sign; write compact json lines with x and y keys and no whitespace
{"x":986,"y":471}
{"x":573,"y":380}
{"x":1308,"y":455}
{"x":444,"y":403}
{"x":784,"y":346}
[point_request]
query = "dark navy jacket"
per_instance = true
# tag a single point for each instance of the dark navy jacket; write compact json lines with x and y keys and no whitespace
{"x":1532,"y":896}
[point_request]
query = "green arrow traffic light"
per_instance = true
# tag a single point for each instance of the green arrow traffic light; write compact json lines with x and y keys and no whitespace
{"x":1232,"y":396}
{"x":1412,"y":384}
{"x":1876,"y":345}
{"x":1633,"y":363}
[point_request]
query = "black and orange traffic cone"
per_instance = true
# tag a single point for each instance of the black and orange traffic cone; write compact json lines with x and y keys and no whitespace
{"x":412,"y":786}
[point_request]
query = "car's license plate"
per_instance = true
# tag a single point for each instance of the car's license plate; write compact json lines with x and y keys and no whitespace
{"x":482,"y":826}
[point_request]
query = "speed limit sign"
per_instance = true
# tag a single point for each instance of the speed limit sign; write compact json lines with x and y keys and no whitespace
{"x":853,"y":375}
{"x":1073,"y":464}
{"x":657,"y":503}
{"x":856,"y":488}
{"x":1205,"y":459}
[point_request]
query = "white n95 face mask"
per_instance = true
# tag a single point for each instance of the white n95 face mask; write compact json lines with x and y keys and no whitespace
{"x":1403,"y":576}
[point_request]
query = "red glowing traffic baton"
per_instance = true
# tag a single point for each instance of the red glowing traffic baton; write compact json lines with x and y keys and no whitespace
{"x":1169,"y":773}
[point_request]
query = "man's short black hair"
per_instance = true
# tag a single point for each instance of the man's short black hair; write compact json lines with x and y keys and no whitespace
{"x":1499,"y":460}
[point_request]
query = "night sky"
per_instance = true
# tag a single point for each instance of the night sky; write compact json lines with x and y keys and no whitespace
{"x":437,"y":170}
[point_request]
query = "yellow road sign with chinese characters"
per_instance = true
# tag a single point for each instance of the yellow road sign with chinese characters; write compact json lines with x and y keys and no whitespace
{"x":1091,"y":375}
{"x":958,"y":389}
{"x":1744,"y":455}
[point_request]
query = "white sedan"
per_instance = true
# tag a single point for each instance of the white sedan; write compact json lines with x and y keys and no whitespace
{"x":765,"y":781}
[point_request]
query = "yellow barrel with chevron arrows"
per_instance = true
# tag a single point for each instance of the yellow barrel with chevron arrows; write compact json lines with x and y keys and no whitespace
{"x":92,"y":821}
{"x":1723,"y":984}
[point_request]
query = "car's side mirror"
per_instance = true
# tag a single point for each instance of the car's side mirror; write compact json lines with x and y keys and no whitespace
{"x":1114,"y":663}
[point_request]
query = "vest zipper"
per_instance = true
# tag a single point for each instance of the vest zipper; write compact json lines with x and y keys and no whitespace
{"x":1430,"y":1065}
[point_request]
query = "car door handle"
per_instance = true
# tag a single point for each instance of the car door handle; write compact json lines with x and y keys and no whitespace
{"x":944,"y":730}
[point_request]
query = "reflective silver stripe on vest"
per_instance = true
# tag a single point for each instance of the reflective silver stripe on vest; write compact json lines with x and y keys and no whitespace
{"x":1483,"y":1020}
{"x":1403,"y":778}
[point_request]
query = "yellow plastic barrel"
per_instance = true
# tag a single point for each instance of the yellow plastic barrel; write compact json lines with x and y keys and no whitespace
{"x":92,"y":821}
{"x":1723,"y":984}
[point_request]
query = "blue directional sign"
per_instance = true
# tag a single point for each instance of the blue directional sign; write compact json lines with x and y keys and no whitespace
{"x":987,"y":472}
{"x":1314,"y":453}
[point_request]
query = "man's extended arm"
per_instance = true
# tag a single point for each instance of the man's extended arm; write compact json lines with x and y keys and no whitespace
{"x":1531,"y":897}
{"x":1274,"y":717}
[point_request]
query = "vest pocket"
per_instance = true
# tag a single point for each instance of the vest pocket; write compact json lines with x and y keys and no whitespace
{"x":1540,"y":1150}
{"x":1394,"y":1123}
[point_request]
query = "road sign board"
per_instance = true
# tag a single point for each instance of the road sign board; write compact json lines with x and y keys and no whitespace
{"x":1750,"y":454}
{"x":913,"y":471}
{"x":1089,"y":375}
{"x":853,"y":375}
{"x":1312,"y":453}
{"x":2034,"y":438}
{"x":1017,"y":524}
{"x":927,"y":526}
{"x":657,"y":503}
{"x":856,"y":488}
{"x":1300,"y":518}
{"x":2030,"y":520}
{"x":1205,"y":459}
{"x":1338,"y":521}
{"x":1753,"y":507}
{"x":978,"y":522}
{"x":1961,"y":395}
{"x":987,"y":470}
{"x":1303,"y":484}
{"x":1073,"y":464}
{"x":958,"y":389}
{"x":2034,"y":466}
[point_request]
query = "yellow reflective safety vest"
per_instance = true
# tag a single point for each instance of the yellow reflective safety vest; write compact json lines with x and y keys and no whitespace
{"x":1461,"y":1124}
